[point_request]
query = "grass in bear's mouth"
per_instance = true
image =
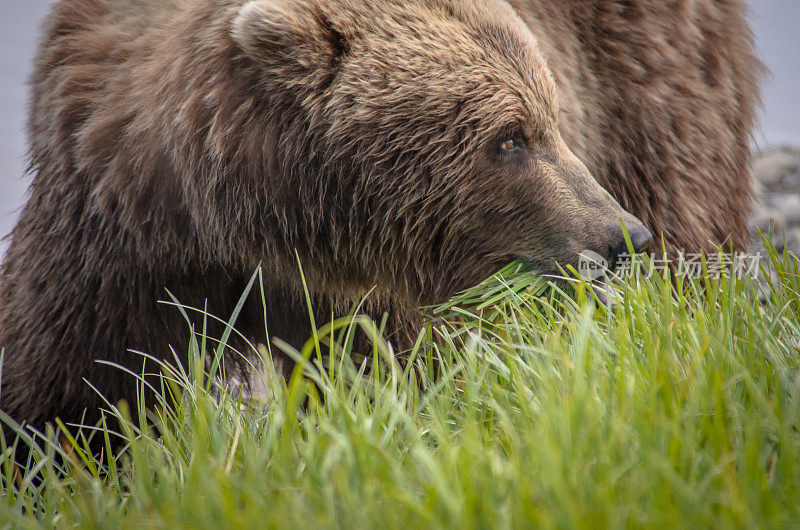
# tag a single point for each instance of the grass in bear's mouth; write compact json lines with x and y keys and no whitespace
{"x":678,"y":407}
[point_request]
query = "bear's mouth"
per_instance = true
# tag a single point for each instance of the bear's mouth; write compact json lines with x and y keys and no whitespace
{"x":606,"y":293}
{"x":604,"y":290}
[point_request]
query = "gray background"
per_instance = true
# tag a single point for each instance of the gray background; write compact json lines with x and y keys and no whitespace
{"x":775,"y":23}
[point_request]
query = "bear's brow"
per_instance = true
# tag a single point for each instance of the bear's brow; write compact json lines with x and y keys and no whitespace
{"x":517,"y":54}
{"x":501,"y":38}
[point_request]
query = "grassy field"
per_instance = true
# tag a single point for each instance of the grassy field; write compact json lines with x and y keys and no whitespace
{"x":680,"y":406}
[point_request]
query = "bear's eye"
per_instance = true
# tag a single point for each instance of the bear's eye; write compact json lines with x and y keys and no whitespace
{"x":508,"y":145}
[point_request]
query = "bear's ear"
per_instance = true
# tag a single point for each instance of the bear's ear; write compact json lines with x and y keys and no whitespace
{"x":288,"y":33}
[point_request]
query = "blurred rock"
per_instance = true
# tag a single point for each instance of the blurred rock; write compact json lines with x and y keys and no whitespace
{"x":789,"y":206}
{"x":793,"y":240}
{"x":771,"y":168}
{"x":777,"y":182}
{"x":766,"y":219}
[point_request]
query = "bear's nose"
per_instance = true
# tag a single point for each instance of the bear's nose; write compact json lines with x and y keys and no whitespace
{"x":640,"y":239}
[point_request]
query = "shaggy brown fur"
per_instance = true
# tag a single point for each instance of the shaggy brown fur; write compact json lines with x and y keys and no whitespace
{"x":179,"y":144}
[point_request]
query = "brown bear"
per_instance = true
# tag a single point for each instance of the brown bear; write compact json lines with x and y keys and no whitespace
{"x":412,"y":148}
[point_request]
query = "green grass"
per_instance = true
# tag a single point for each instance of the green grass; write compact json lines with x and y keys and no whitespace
{"x":678,"y":407}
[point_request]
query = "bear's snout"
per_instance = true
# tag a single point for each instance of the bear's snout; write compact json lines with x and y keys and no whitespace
{"x":641,"y":238}
{"x":597,"y":219}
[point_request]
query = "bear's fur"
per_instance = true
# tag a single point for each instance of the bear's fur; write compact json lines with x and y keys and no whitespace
{"x":414,"y":147}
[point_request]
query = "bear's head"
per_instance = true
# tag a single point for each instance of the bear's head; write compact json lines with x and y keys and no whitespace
{"x":418,"y":143}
